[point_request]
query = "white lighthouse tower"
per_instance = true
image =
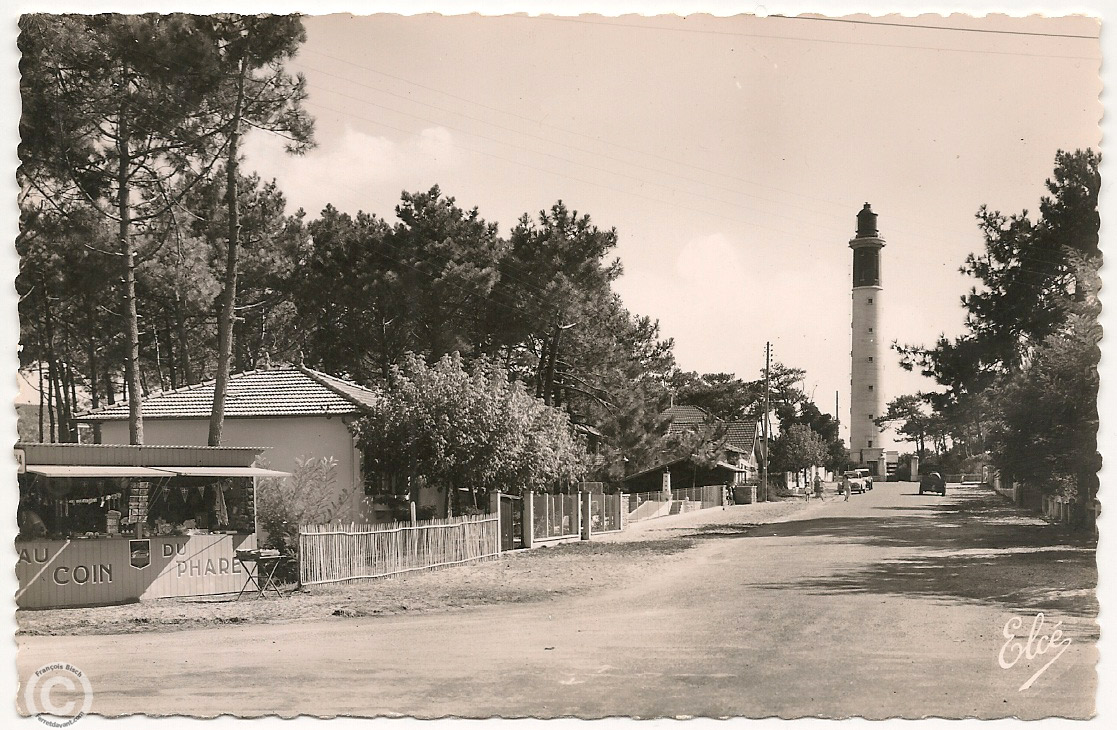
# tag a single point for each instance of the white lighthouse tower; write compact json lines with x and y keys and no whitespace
{"x":866,"y":399}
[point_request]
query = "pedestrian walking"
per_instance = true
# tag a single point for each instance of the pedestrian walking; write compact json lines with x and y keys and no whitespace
{"x":818,"y":486}
{"x":846,"y":484}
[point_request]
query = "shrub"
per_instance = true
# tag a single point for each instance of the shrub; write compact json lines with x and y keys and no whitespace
{"x":308,"y":496}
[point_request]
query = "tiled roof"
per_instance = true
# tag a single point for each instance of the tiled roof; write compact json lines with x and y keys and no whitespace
{"x":252,"y":394}
{"x":685,"y":418}
{"x":686,"y":415}
{"x":741,"y":435}
{"x":348,"y":389}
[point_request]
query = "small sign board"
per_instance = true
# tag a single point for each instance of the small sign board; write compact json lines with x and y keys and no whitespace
{"x":137,"y":502}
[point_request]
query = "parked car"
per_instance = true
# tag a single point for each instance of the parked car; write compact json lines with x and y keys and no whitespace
{"x":867,"y":476}
{"x":932,"y":482}
{"x":854,"y":481}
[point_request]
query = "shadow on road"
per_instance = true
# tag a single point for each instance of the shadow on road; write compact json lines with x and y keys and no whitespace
{"x":970,"y":546}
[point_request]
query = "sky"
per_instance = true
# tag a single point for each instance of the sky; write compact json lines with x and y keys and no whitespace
{"x":731,"y":154}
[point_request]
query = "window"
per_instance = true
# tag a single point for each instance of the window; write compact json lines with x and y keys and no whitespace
{"x":870,"y":329}
{"x":870,"y":358}
{"x":870,"y":300}
{"x":870,"y":387}
{"x":870,"y":443}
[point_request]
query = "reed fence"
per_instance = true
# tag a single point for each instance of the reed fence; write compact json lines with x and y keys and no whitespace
{"x":338,"y":553}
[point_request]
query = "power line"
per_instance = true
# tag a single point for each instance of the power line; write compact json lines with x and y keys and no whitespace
{"x":923,"y":26}
{"x":660,"y":201}
{"x":741,"y":34}
{"x":845,"y":205}
{"x":560,"y":158}
{"x":582,"y":134}
{"x":561,"y":144}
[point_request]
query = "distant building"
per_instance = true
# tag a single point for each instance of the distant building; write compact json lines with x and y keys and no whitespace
{"x":735,"y":463}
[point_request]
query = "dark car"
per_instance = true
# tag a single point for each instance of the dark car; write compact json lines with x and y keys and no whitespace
{"x":932,"y":482}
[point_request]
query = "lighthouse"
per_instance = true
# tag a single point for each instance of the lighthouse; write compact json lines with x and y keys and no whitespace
{"x":866,"y":399}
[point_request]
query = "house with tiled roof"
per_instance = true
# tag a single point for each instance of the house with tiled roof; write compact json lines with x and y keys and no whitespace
{"x":684,"y":418}
{"x":735,"y":461}
{"x":296,"y":412}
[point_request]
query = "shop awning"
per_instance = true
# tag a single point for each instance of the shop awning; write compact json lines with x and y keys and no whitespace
{"x":223,"y":471}
{"x":69,"y":471}
{"x":57,"y":470}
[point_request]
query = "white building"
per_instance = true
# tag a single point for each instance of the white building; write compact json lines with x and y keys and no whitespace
{"x":297,"y":413}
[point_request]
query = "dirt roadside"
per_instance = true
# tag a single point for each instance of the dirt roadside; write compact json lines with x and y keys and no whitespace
{"x":607,"y":562}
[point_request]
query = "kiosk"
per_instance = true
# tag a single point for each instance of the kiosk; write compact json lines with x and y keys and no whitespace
{"x":102,"y":524}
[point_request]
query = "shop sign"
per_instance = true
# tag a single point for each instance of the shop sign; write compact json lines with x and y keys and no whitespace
{"x":160,"y":567}
{"x":139,"y":552}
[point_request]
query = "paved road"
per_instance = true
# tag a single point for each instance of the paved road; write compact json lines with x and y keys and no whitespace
{"x":881,"y":606}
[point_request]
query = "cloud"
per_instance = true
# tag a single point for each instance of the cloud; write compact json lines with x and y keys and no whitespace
{"x":354,"y":171}
{"x":711,"y":260}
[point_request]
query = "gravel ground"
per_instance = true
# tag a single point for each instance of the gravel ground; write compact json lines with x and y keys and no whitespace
{"x":609,"y":561}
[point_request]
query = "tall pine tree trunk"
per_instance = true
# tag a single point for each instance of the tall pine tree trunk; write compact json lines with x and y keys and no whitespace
{"x":42,"y":395}
{"x":172,"y":365}
{"x":183,"y":341}
{"x":94,"y":391}
{"x":132,"y":323}
{"x":229,"y":295}
{"x":54,"y":376}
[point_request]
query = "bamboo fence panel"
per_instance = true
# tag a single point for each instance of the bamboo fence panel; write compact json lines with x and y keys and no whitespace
{"x":337,"y":553}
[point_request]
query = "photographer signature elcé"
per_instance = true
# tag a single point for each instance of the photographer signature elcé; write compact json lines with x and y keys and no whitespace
{"x":1040,"y":641}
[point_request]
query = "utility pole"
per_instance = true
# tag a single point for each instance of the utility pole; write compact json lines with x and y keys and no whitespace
{"x":767,"y":365}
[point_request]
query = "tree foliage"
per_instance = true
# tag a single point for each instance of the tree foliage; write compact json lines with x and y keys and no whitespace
{"x":1043,"y":427}
{"x":472,"y":429}
{"x":1022,"y":380}
{"x":797,"y":449}
{"x":722,"y":395}
{"x":111,"y":123}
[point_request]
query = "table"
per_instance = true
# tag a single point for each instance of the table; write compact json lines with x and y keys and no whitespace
{"x":262,"y":572}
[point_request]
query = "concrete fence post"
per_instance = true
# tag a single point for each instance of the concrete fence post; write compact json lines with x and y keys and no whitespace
{"x":585,"y":513}
{"x":528,"y":522}
{"x":494,"y":509}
